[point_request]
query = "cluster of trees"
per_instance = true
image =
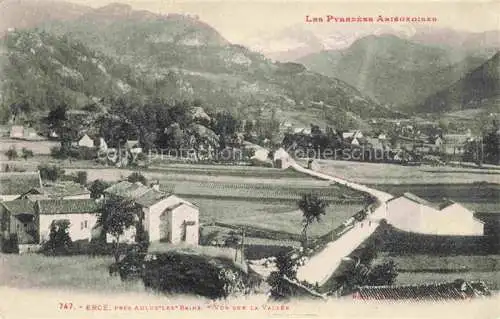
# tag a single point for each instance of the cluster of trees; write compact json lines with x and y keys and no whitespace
{"x":487,"y":148}
{"x":156,"y":124}
{"x":13,"y":154}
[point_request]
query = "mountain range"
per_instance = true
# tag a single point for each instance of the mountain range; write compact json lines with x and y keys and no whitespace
{"x":478,"y":88}
{"x":395,"y":71}
{"x":115,"y":50}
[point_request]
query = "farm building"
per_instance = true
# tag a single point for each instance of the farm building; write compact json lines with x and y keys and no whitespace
{"x":352,"y":135}
{"x":14,"y":184}
{"x":24,"y":133}
{"x":58,"y":190}
{"x":30,"y":220}
{"x":81,"y":213}
{"x":166,"y":217}
{"x":457,"y":290}
{"x":455,"y":143}
{"x":414,"y":214}
{"x":18,"y":217}
{"x":85,"y":141}
{"x":282,"y":159}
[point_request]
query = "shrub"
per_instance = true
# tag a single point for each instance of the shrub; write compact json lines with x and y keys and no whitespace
{"x":97,"y":188}
{"x":10,"y":245}
{"x":137,"y":177}
{"x":26,"y":153}
{"x":81,"y":178}
{"x":50,"y":172}
{"x":11,"y":153}
{"x":59,"y":242}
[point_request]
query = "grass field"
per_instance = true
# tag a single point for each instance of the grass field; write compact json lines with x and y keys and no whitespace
{"x":280,"y":216}
{"x":75,"y":272}
{"x":371,"y":173}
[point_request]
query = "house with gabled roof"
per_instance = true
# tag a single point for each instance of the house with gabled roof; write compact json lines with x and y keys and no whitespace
{"x":14,"y":184}
{"x":81,"y":214}
{"x":414,"y":214}
{"x":18,"y":218}
{"x":85,"y":141}
{"x":166,"y":217}
{"x":30,"y":220}
{"x":58,"y":190}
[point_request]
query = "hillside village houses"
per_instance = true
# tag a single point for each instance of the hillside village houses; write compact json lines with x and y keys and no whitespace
{"x":24,"y":133}
{"x":166,"y":217}
{"x":28,"y":208}
{"x":414,"y":214}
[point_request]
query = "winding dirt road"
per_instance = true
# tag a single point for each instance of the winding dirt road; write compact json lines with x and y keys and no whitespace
{"x":321,"y":266}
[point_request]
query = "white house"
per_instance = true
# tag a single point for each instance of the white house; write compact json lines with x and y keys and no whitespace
{"x":166,"y":216}
{"x":81,"y":214}
{"x":414,"y":214}
{"x":282,"y":159}
{"x":352,"y":135}
{"x":85,"y":141}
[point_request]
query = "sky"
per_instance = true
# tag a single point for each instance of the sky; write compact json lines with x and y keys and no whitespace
{"x":239,"y":19}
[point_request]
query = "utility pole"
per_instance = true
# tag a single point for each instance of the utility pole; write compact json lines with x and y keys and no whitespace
{"x":242,"y":245}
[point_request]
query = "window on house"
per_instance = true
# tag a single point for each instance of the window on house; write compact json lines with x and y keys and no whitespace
{"x":25,"y":225}
{"x":86,"y":224}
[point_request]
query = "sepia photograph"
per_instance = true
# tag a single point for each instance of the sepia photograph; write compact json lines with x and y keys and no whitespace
{"x":222,"y":159}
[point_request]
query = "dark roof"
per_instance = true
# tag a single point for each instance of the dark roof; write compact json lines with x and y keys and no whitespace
{"x":177,"y":205}
{"x":67,"y":206}
{"x":19,"y":206}
{"x":430,"y":292}
{"x":65,"y":188}
{"x":137,"y":192}
{"x":16,"y":183}
{"x":413,"y":198}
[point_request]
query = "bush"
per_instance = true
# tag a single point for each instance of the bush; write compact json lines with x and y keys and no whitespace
{"x":10,"y":245}
{"x":81,"y":178}
{"x":97,"y":188}
{"x":214,"y":278}
{"x":137,"y":177}
{"x":11,"y":153}
{"x":50,"y":172}
{"x":26,"y":153}
{"x":59,"y":242}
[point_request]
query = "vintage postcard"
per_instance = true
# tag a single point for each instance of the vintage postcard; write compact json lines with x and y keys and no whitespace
{"x":222,"y":159}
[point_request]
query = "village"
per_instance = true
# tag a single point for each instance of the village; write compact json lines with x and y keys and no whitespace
{"x":173,"y":204}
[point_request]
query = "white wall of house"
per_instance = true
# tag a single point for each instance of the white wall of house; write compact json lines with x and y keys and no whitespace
{"x":127,"y":237}
{"x":180,"y":232}
{"x":7,"y":198}
{"x":410,"y":216}
{"x":81,"y":196}
{"x":153,"y":214}
{"x":80,"y":225}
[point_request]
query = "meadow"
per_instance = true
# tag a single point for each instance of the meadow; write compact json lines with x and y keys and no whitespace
{"x":74,"y":272}
{"x":381,"y":173}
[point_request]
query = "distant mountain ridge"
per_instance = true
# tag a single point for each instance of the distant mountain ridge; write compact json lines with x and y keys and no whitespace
{"x":115,"y":50}
{"x":392,"y":70}
{"x":472,"y":91}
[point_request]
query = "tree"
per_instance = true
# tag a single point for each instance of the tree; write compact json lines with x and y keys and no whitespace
{"x":116,"y":216}
{"x":286,"y":268}
{"x":81,"y":178}
{"x":313,"y":208}
{"x":97,"y":188}
{"x":59,"y":122}
{"x":137,"y":177}
{"x":59,"y":242}
{"x":26,"y":153}
{"x":51,"y":173}
{"x":11,"y":153}
{"x":382,"y":274}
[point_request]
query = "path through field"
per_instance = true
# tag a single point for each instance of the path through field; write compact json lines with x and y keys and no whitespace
{"x":321,"y":266}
